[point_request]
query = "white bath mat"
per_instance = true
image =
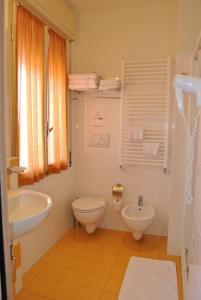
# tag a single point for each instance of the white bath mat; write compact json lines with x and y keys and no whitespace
{"x":149,"y":279}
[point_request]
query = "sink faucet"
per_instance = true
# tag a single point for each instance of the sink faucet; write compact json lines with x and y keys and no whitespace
{"x":140,"y":201}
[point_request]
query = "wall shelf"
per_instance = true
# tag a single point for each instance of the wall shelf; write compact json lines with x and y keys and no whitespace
{"x":95,"y":94}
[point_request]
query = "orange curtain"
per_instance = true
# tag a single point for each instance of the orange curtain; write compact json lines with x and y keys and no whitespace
{"x":57,"y":103}
{"x":30,"y":96}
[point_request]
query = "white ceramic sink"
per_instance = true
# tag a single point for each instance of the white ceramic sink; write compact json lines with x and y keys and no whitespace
{"x":26,"y":210}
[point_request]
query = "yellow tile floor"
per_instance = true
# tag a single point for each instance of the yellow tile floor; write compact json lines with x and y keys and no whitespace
{"x":90,"y":267}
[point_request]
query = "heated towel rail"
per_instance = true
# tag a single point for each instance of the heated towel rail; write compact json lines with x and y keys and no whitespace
{"x":145,"y":105}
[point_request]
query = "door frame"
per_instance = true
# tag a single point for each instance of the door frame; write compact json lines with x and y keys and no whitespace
{"x":5,"y":262}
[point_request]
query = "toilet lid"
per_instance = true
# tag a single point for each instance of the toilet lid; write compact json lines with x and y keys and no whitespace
{"x":88,"y":203}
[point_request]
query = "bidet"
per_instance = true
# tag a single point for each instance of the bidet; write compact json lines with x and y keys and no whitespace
{"x":137,"y":218}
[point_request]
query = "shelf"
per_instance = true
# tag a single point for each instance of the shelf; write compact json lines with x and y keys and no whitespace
{"x":97,"y":94}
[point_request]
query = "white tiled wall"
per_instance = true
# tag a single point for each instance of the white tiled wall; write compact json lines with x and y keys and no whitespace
{"x":97,"y":169}
{"x":60,"y":187}
{"x":103,"y":38}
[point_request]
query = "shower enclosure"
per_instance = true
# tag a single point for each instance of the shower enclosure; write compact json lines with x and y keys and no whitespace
{"x":191,"y":252}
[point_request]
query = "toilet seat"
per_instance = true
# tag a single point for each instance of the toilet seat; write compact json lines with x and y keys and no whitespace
{"x":88,"y":211}
{"x":88,"y":204}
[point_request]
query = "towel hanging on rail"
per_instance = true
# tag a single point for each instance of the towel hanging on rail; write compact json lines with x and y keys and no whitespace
{"x":135,"y":134}
{"x":151,"y":149}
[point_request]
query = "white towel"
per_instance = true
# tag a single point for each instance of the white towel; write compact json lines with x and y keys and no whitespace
{"x":135,"y":134}
{"x":151,"y":149}
{"x":83,"y":76}
{"x":82,"y":81}
{"x":109,"y":84}
{"x":107,"y":88}
{"x":82,"y":87}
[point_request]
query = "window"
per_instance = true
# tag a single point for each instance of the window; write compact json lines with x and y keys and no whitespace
{"x":40,"y":150}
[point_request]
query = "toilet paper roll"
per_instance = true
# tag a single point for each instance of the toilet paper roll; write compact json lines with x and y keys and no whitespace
{"x":117,"y":204}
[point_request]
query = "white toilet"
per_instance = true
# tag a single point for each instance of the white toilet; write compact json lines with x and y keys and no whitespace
{"x":89,"y":212}
{"x":137,"y":218}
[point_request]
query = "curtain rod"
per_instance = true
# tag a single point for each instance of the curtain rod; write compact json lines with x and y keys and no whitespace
{"x":47,"y":19}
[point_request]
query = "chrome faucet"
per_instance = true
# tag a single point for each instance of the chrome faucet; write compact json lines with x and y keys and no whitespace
{"x":140,"y":201}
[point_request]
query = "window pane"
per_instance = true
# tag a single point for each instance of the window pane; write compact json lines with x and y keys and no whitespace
{"x":57,"y":98}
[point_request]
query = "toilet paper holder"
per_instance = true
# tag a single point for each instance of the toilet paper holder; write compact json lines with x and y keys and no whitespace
{"x":117,"y":190}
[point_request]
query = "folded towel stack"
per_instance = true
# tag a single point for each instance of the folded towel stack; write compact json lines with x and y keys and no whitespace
{"x":109,"y":84}
{"x":82,"y":82}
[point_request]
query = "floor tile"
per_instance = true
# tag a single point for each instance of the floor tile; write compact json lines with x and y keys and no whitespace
{"x":113,"y":284}
{"x":163,"y":245}
{"x":68,"y":243}
{"x":80,"y":263}
{"x":79,"y":235}
{"x":39,"y":266}
{"x":86,"y":264}
{"x":94,"y":281}
{"x":89,"y":251}
{"x":73,"y":276}
{"x":26,"y":296}
{"x":119,"y":270}
{"x":122,"y":259}
{"x":151,"y":246}
{"x":131,"y":245}
{"x":111,"y":247}
{"x":60,"y":260}
{"x":100,"y":235}
{"x":115,"y":235}
{"x":109,"y":296}
{"x":47,"y":257}
{"x":32,"y":273}
{"x":39,"y":286}
{"x":100,"y":267}
{"x":67,"y":250}
{"x":108,"y":256}
{"x":62,"y":291}
{"x":27,"y":278}
{"x":87,"y":294}
{"x":51,"y":272}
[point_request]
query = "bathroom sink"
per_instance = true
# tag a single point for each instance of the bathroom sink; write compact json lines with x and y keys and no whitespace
{"x":26,"y":210}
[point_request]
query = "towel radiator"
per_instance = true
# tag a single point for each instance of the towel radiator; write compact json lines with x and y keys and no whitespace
{"x":145,"y":104}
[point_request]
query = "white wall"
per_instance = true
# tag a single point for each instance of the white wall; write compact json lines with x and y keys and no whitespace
{"x":97,"y":169}
{"x":189,"y":24}
{"x":144,"y":31}
{"x":103,"y":38}
{"x":60,"y":187}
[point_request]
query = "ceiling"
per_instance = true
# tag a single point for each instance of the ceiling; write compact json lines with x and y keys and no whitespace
{"x":101,"y":5}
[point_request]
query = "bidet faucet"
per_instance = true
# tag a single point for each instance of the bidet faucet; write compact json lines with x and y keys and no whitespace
{"x":140,"y":201}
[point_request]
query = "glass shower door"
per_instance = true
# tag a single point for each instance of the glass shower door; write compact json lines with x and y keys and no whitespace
{"x":194,"y":260}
